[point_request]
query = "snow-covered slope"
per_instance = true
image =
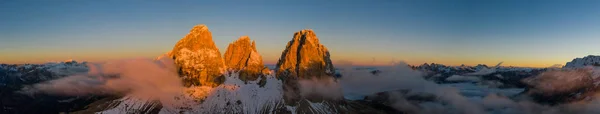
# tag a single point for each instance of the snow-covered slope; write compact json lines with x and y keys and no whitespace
{"x":590,"y":60}
{"x":234,"y":96}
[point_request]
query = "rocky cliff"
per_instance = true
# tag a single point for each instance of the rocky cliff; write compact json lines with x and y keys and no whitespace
{"x":241,"y":56}
{"x":198,"y":59}
{"x":304,"y":57}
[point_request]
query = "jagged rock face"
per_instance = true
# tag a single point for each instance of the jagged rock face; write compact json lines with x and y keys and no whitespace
{"x":198,"y":59}
{"x":304,"y":57}
{"x":589,"y":60}
{"x":242,"y":56}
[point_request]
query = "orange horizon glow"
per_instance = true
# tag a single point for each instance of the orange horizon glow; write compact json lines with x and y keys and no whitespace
{"x":36,"y":32}
{"x":271,"y":60}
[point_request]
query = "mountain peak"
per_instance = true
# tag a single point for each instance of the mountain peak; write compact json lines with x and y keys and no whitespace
{"x":199,"y":27}
{"x":198,"y":59}
{"x":243,"y":38}
{"x":305,"y":57}
{"x":242,"y":56}
{"x":306,"y":35}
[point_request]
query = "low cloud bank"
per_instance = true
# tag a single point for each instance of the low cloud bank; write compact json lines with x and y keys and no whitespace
{"x":359,"y":83}
{"x":158,"y":79}
{"x":327,"y":88}
{"x":143,"y":78}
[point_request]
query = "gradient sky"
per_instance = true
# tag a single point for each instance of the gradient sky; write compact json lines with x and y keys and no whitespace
{"x":520,"y":33}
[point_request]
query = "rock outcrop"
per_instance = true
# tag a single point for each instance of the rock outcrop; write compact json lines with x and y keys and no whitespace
{"x":304,"y":57}
{"x":198,"y":59}
{"x":241,"y":56}
{"x":589,"y":60}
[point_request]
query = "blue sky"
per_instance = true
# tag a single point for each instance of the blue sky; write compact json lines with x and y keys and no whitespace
{"x":521,"y":33}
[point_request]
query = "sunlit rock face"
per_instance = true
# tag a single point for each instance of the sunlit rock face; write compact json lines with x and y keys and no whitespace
{"x":198,"y":59}
{"x":241,"y":56}
{"x":303,"y":58}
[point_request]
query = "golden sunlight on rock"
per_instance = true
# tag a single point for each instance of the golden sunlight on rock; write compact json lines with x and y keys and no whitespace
{"x":241,"y":56}
{"x":198,"y":59}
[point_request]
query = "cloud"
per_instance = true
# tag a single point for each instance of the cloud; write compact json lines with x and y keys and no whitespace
{"x":326,"y":88}
{"x":362,"y":82}
{"x":549,"y":83}
{"x":158,"y":79}
{"x":144,"y":78}
{"x":359,"y":83}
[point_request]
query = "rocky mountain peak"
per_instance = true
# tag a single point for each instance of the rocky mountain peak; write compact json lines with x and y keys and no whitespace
{"x":242,"y":56}
{"x":199,"y":28}
{"x":198,"y":38}
{"x":198,"y":59}
{"x":305,"y":57}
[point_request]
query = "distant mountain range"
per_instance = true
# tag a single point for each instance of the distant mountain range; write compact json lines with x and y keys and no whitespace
{"x":590,"y":60}
{"x":239,"y":82}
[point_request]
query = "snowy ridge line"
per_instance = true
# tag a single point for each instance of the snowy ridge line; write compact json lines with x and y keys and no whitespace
{"x":590,"y":60}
